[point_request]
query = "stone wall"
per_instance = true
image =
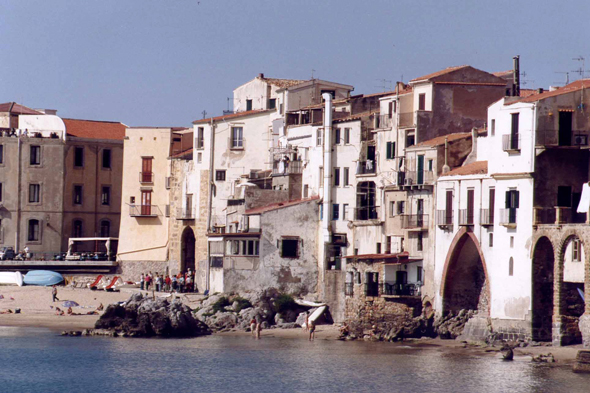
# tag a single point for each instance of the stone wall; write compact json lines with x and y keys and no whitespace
{"x":131,"y":270}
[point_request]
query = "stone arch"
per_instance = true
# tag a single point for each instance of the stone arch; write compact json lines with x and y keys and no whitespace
{"x":187,"y":250}
{"x":543,"y":268}
{"x":465,"y":281}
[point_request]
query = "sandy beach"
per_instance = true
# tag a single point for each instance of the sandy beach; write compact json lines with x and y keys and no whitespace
{"x":38,"y":310}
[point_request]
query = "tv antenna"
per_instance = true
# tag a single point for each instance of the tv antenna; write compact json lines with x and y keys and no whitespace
{"x":567,"y":77}
{"x":582,"y":69}
{"x":312,"y":71}
{"x":204,"y":114}
{"x":524,"y":81}
{"x":384,"y":84}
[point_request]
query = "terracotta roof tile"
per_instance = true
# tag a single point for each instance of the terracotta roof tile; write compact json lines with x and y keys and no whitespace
{"x":503,"y":74}
{"x":399,"y":256}
{"x":13,"y":107}
{"x":440,"y":140}
{"x":527,"y":92}
{"x":439,"y":73}
{"x":475,"y":168}
{"x":275,"y":206}
{"x":231,"y":116}
{"x":356,"y":116}
{"x":283,"y":83}
{"x":574,"y":86}
{"x":92,"y":129}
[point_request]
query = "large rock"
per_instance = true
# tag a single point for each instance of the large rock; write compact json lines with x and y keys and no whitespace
{"x":144,"y":317}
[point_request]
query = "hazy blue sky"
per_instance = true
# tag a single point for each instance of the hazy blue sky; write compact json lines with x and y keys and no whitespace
{"x":161,"y":63}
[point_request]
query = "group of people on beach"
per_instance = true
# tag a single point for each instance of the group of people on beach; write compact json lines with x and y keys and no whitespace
{"x":182,"y":282}
{"x":256,"y":327}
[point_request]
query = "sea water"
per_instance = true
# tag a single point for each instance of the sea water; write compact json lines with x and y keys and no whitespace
{"x":40,"y":360}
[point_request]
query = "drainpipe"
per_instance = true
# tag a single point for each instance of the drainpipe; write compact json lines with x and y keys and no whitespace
{"x":210,"y":201}
{"x":327,"y":166}
{"x":446,"y":168}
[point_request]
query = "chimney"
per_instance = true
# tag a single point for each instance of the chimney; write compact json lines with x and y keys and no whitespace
{"x":516,"y":76}
{"x":540,"y":90}
{"x":399,"y":86}
{"x":261,"y":75}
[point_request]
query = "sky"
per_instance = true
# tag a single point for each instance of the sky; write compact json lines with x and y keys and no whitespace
{"x":162,"y":63}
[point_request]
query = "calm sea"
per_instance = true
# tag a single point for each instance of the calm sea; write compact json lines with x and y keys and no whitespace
{"x":38,"y":360}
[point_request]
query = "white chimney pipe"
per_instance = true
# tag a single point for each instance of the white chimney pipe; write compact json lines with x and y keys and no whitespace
{"x":327,"y":166}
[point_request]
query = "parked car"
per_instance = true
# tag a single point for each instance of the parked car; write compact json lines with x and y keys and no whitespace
{"x":7,"y":253}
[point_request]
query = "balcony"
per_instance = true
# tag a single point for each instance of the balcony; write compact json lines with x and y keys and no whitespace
{"x":511,"y":143}
{"x":143,"y":211}
{"x":366,"y":213}
{"x":466,"y":217}
{"x":400,"y":289}
{"x":406,"y":120}
{"x":367,"y":134}
{"x":508,"y":217}
{"x":384,"y":121}
{"x":287,"y":167}
{"x":366,"y":167}
{"x":557,"y":215}
{"x":185,"y":214}
{"x":444,"y":218}
{"x":415,"y":221}
{"x":418,"y":178}
{"x":553,"y":138}
{"x":146,"y":177}
{"x":486,"y":217}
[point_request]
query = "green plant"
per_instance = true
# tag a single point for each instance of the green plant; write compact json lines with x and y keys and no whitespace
{"x":284,"y":302}
{"x":221,"y":304}
{"x":242,"y":303}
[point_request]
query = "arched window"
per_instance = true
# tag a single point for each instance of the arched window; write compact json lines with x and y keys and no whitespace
{"x":34,"y":229}
{"x":105,"y":228}
{"x":77,"y":228}
{"x":511,"y":267}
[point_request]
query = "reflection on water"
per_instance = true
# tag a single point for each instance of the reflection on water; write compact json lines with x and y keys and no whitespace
{"x":36,"y":360}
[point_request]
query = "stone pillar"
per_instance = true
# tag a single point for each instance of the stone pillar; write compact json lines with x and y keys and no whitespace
{"x":557,"y":329}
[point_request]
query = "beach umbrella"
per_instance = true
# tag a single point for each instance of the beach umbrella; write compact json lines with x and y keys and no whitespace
{"x":70,"y":303}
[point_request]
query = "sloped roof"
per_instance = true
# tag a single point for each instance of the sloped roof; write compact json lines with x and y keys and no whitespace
{"x":402,"y":256}
{"x":440,"y":140}
{"x":280,"y":205}
{"x":475,"y":168}
{"x":13,"y":107}
{"x":439,"y":73}
{"x":93,"y":129}
{"x":504,"y":74}
{"x":572,"y":87}
{"x":231,"y":116}
{"x":282,"y":83}
{"x":356,"y":116}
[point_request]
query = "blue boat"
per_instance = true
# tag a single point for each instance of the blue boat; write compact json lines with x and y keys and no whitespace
{"x":42,"y":278}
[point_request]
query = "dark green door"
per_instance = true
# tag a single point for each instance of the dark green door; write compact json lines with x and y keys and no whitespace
{"x":420,"y":179}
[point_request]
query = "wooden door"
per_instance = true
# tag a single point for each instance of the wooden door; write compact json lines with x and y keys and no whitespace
{"x":146,"y":203}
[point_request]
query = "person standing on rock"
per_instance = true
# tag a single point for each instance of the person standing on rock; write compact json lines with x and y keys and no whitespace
{"x":148,"y":281}
{"x":258,"y":328}
{"x":307,"y":321}
{"x":168,"y":282}
{"x":312,"y":331}
{"x":174,"y":283}
{"x":253,"y":327}
{"x":142,"y":282}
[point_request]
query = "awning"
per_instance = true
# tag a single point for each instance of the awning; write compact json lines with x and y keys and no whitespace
{"x":398,"y":258}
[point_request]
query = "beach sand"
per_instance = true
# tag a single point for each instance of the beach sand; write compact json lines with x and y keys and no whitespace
{"x":36,"y":311}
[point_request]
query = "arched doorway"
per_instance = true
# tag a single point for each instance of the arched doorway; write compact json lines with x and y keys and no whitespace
{"x":465,"y":283}
{"x":543,"y":265}
{"x":572,"y":306}
{"x":187,"y":254}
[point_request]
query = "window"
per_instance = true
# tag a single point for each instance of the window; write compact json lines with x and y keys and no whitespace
{"x":248,"y":105}
{"x":78,"y":157}
{"x":250,"y":247}
{"x":321,"y":176}
{"x":220,"y":175}
{"x":419,"y":273}
{"x":146,"y":170}
{"x":514,"y":136}
{"x":346,"y":136}
{"x":421,"y":102}
{"x":34,"y":193}
{"x":1,"y":154}
{"x":146,"y":203}
{"x":335,"y":211}
{"x":35,"y":155}
{"x":410,"y":140}
{"x":306,"y":190}
{"x":272,"y":103}
{"x":388,"y":244}
{"x":430,"y":165}
{"x":322,"y":211}
{"x":378,"y":248}
{"x":337,"y":136}
{"x":420,"y":241}
{"x":105,"y":197}
{"x":344,"y":211}
{"x":106,"y":159}
{"x":77,"y":195}
{"x":289,"y":248}
{"x":199,"y":158}
{"x":33,"y":234}
{"x":390,"y":153}
{"x":345,"y":173}
{"x":105,"y":228}
{"x":512,"y":203}
{"x":77,"y":230}
{"x":200,"y":138}
{"x":491,"y":240}
{"x":336,"y":177}
{"x":493,"y":127}
{"x":319,"y":137}
{"x":576,"y":250}
{"x":511,"y":267}
{"x":0,"y":192}
{"x":391,"y":208}
{"x":237,"y":137}
{"x":401,"y":207}
{"x":511,"y":241}
{"x":564,"y":196}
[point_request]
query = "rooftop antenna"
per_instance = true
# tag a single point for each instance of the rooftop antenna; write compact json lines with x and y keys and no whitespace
{"x":525,"y":81}
{"x":204,"y":114}
{"x":582,"y":69}
{"x":312,"y":71}
{"x":384,"y":84}
{"x":567,"y":77}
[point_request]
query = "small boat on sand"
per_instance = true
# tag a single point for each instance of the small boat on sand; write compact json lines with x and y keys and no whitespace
{"x":11,"y":278}
{"x":42,"y":278}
